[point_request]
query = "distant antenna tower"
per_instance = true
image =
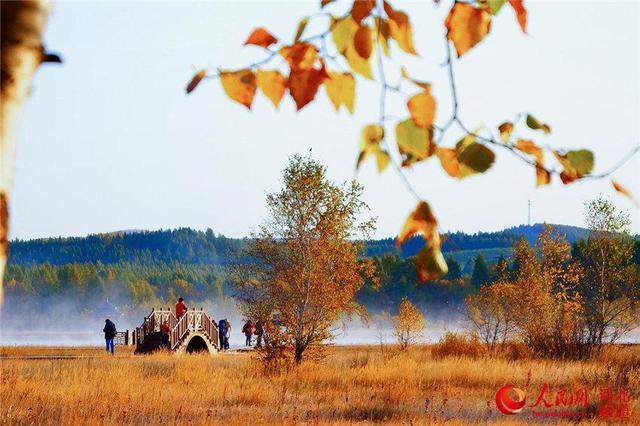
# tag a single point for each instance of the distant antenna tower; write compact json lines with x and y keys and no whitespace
{"x":529,"y":212}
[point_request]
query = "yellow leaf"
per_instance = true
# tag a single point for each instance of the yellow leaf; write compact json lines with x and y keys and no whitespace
{"x":371,"y":134}
{"x":467,"y":26}
{"x":273,"y":85}
{"x":342,"y":32}
{"x":341,"y":89}
{"x":300,"y":55}
{"x":621,"y":189}
{"x":196,"y":80}
{"x":383,"y":33}
{"x":239,"y":86}
{"x":382,"y":159}
{"x":430,"y":263}
{"x":422,"y":108}
{"x":420,"y":222}
{"x":505,"y":130}
{"x":413,"y":140}
{"x":400,"y":29}
{"x":370,"y":139}
{"x":362,"y":42}
{"x":422,"y":84}
{"x":575,"y":164}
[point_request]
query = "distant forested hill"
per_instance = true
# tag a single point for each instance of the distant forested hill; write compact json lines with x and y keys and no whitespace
{"x":185,"y":245}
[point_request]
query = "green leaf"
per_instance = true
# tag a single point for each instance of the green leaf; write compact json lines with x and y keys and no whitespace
{"x":534,"y":124}
{"x":581,"y":160}
{"x":495,"y":5}
{"x":413,"y":140}
{"x":476,"y":156}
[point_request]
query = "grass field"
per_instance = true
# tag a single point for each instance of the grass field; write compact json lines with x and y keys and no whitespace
{"x":354,"y":384}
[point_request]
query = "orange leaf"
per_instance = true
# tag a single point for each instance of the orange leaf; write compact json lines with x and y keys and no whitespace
{"x":621,"y":189}
{"x":505,"y":130}
{"x":239,"y":86}
{"x":430,"y":263}
{"x":362,"y":42}
{"x":422,"y":108}
{"x":304,"y":84}
{"x":467,"y":26}
{"x":400,"y":29}
{"x":361,"y":9}
{"x":543,"y":177}
{"x":273,"y":85}
{"x":323,"y":3}
{"x":196,"y":80}
{"x":528,"y":147}
{"x":421,"y":84}
{"x":521,"y":13}
{"x":300,"y":55}
{"x":261,"y":37}
{"x":420,"y":222}
{"x":449,"y":161}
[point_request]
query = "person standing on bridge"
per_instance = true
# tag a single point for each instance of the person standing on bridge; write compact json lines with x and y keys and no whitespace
{"x":109,"y":334}
{"x":247,"y":330}
{"x":181,"y":308}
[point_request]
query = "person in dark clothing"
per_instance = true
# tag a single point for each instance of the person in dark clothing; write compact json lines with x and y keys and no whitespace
{"x":166,"y":330}
{"x":227,"y":333}
{"x":247,"y":330}
{"x":109,"y":334}
{"x":259,"y":332}
{"x":221,"y":333}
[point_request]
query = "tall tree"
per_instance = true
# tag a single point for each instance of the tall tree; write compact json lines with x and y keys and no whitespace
{"x":305,"y":268}
{"x":21,"y":28}
{"x":480,"y":275}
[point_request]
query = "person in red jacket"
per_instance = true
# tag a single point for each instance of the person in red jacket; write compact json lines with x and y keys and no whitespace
{"x":181,"y":308}
{"x":247,"y":329}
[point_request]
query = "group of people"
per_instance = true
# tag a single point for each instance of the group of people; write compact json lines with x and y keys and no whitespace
{"x":249,"y":329}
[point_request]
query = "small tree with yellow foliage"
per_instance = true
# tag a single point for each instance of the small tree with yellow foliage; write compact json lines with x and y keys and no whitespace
{"x":409,"y":324}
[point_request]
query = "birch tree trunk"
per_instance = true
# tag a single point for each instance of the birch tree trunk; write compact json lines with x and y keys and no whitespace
{"x":22,"y":52}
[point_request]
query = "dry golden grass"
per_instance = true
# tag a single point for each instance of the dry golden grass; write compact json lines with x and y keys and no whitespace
{"x":353,"y":384}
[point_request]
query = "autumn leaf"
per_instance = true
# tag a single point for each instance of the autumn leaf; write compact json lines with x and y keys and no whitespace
{"x":494,"y":5}
{"x":534,"y":124}
{"x":383,"y":32}
{"x":239,"y":86}
{"x":273,"y":85}
{"x":370,"y":139}
{"x":361,"y":9}
{"x":467,"y":26}
{"x":300,"y":55}
{"x":543,"y":177}
{"x":301,"y":27}
{"x":196,"y":80}
{"x":362,"y":42}
{"x":400,"y":29}
{"x":261,"y":37}
{"x":621,"y":189}
{"x":323,"y":3}
{"x":304,"y":84}
{"x":505,"y":130}
{"x":575,"y":164}
{"x":474,"y":155}
{"x":521,"y":13}
{"x":413,"y":140}
{"x":430,"y":263}
{"x":449,"y":160}
{"x":341,"y":90}
{"x":528,"y":147}
{"x":422,"y":84}
{"x":343,"y":33}
{"x":422,"y":108}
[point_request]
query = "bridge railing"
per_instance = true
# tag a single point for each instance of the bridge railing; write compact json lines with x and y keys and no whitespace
{"x":194,"y":320}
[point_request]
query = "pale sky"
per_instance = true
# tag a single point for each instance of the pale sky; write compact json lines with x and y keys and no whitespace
{"x":109,"y":141}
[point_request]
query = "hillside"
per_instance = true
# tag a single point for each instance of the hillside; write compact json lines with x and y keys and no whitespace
{"x":185,"y":245}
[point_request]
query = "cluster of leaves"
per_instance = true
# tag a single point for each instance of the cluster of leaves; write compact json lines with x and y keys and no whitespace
{"x":366,"y":31}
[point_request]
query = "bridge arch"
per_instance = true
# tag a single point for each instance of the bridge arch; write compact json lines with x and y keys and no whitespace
{"x":196,"y":342}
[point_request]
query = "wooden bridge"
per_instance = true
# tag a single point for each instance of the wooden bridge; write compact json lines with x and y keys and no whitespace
{"x":192,"y":332}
